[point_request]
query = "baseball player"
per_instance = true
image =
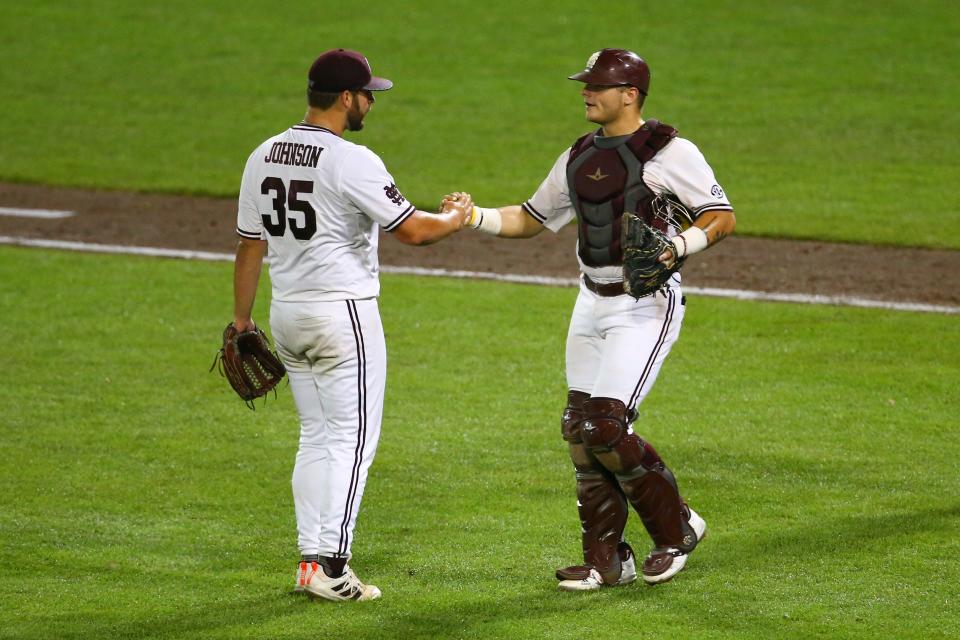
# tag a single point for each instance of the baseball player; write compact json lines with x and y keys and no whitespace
{"x":314,"y":202}
{"x":616,"y":344}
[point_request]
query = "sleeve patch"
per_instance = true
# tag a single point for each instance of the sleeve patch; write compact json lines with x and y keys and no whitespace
{"x":393,"y":194}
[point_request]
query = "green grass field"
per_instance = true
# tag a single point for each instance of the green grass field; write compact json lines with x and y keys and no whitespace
{"x":141,"y":499}
{"x":822,"y":120}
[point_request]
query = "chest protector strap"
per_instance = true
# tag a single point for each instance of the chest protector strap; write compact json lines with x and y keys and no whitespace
{"x":605,"y":178}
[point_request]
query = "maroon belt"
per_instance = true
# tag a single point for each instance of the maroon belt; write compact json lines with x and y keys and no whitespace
{"x":608,"y":290}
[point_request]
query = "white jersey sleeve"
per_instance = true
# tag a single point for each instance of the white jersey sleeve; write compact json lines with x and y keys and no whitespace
{"x":249,"y":222}
{"x":365,"y":181}
{"x":551,"y":205}
{"x":679,"y":168}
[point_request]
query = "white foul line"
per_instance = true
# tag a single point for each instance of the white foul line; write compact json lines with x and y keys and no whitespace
{"x":43,"y":243}
{"x":738,"y":294}
{"x":35,"y":213}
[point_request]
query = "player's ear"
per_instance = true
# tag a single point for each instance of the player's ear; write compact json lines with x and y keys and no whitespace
{"x":631,"y":95}
{"x":346,"y":98}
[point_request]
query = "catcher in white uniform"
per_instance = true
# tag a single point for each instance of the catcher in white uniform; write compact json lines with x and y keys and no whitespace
{"x":315,"y":203}
{"x":616,"y":344}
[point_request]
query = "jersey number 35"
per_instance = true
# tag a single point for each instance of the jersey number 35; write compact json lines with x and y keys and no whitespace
{"x":284,"y":199}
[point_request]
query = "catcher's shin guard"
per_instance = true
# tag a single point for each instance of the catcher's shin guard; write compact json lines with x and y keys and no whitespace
{"x":600,"y":501}
{"x":646,"y":481}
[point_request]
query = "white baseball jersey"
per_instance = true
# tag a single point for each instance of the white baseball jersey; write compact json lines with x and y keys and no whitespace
{"x":679,"y":169}
{"x":616,"y":345}
{"x":319,"y":200}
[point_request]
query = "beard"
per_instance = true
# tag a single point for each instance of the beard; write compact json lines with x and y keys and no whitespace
{"x":354,"y":118}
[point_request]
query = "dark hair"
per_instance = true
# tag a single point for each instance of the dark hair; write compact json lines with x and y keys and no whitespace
{"x":321,"y":99}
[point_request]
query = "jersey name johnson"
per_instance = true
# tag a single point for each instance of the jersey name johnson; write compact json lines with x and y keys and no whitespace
{"x":294,"y":154}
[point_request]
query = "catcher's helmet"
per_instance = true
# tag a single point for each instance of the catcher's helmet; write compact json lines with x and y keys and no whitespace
{"x":616,"y":67}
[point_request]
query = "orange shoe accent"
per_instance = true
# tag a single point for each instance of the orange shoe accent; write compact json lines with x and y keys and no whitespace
{"x":306,"y":572}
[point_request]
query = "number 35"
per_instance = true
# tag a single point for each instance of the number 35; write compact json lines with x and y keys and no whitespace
{"x":284,"y":199}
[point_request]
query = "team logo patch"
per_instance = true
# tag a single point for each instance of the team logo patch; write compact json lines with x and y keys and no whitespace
{"x":592,"y":60}
{"x":598,"y":176}
{"x":716,"y":191}
{"x":394,"y":194}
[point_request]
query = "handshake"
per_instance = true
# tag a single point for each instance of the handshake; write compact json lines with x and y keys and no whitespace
{"x":459,"y":202}
{"x":486,"y":220}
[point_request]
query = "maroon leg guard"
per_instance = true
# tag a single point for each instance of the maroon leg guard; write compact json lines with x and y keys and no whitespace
{"x":600,"y":501}
{"x":646,"y":481}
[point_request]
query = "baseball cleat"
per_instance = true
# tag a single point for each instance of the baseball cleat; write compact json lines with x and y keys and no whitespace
{"x":663,"y":563}
{"x":593,"y":581}
{"x":305,"y":571}
{"x":312,"y":580}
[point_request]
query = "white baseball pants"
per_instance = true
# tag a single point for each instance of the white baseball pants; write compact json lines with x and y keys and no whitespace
{"x":336,"y":359}
{"x":616,"y":345}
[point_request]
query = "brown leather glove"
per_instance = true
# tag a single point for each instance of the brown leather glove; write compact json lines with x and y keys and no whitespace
{"x":248,"y":363}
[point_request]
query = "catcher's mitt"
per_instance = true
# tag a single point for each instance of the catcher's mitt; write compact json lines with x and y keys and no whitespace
{"x":643,"y":273}
{"x":248,"y":363}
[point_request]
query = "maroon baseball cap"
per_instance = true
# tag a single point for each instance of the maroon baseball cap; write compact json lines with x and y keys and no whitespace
{"x":344,"y":70}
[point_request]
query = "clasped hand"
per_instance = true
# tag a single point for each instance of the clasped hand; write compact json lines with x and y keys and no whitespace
{"x":458,"y":201}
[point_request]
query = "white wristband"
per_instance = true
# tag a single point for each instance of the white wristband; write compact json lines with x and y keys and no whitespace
{"x":690,"y":241}
{"x":486,"y":220}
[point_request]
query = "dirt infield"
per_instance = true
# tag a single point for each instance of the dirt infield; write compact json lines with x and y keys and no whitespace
{"x":759,"y":264}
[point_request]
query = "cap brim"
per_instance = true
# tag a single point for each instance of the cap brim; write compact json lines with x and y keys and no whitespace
{"x":378,"y":84}
{"x":589,"y":77}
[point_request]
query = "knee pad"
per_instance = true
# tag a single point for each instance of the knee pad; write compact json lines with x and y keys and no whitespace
{"x":572,"y":416}
{"x":604,"y":425}
{"x":606,"y":433}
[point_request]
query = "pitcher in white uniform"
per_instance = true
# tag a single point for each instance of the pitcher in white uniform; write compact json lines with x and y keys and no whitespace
{"x":616,"y":344}
{"x":314,"y":203}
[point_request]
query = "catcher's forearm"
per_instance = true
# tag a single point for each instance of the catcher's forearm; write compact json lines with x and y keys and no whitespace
{"x":246,"y":277}
{"x":507,"y":222}
{"x":710,"y":228}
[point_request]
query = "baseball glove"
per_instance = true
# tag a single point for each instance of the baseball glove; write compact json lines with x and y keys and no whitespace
{"x":248,"y":363}
{"x":643,"y":273}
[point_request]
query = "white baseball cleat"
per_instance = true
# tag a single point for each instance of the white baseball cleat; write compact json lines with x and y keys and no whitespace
{"x":312,"y":580}
{"x":663,"y":563}
{"x":304,"y":571}
{"x":593,"y":581}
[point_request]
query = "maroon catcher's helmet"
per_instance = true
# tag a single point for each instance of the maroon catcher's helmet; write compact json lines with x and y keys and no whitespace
{"x":616,"y":67}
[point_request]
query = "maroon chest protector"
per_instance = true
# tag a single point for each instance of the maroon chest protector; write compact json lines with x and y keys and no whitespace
{"x":605,"y":176}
